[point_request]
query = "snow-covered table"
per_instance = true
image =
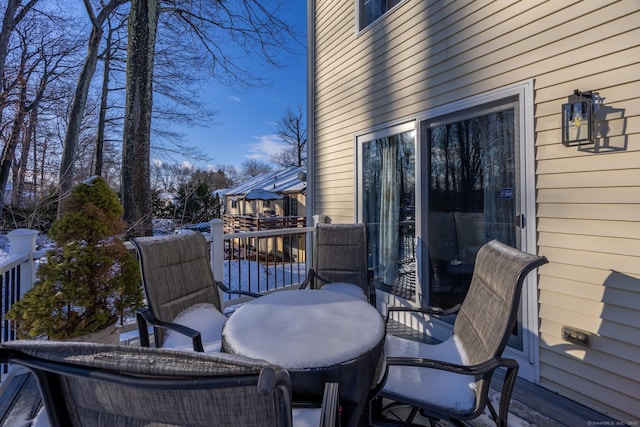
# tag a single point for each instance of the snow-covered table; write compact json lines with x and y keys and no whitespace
{"x":318,"y":336}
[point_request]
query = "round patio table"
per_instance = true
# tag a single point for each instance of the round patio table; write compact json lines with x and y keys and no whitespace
{"x":318,"y":336}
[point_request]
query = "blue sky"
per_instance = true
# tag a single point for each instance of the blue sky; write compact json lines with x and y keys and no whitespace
{"x":246,"y":121}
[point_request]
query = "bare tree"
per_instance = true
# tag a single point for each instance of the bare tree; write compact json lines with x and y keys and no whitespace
{"x":22,"y":77}
{"x":13,"y":14}
{"x":51,"y":64}
{"x":252,"y":167}
{"x":38,"y":55}
{"x":111,"y":47}
{"x":217,"y":29}
{"x":231,"y":173}
{"x":292,"y":131}
{"x":82,"y":89}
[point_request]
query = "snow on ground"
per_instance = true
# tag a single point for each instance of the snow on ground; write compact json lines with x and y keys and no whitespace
{"x":258,"y":277}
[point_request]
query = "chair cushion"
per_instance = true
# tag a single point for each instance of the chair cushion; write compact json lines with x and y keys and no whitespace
{"x":430,"y":387}
{"x":306,"y":417}
{"x":204,"y":318}
{"x":346,"y":288}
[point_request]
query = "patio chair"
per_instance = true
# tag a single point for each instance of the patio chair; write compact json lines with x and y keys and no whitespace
{"x":87,"y":384}
{"x":450,"y":380}
{"x":182,"y":295}
{"x":340,"y":261}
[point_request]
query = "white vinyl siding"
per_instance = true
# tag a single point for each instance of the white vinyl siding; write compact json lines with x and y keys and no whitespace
{"x":430,"y":53}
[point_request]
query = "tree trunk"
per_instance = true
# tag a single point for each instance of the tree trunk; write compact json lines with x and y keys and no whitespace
{"x":9,"y":22}
{"x":80,"y":99}
{"x":9,"y":150}
{"x":21,"y":167}
{"x":75,"y":115}
{"x":103,"y":103}
{"x":136,"y":184}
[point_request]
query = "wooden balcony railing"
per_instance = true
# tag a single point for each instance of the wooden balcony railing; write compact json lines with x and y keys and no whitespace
{"x":235,"y":223}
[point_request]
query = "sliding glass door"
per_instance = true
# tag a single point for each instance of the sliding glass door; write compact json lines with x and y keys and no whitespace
{"x":473,"y":194}
{"x":478,"y":178}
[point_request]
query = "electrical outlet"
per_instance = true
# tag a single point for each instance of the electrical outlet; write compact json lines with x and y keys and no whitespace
{"x":576,"y":336}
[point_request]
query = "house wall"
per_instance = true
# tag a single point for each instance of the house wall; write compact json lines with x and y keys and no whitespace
{"x":424,"y":54}
{"x":244,"y":207}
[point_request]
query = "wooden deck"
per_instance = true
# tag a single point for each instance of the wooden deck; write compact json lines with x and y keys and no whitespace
{"x":531,"y":405}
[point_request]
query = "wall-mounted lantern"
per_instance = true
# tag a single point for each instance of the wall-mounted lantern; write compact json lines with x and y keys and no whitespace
{"x":578,"y":118}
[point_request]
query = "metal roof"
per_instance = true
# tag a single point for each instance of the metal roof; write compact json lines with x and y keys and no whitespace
{"x":279,"y":182}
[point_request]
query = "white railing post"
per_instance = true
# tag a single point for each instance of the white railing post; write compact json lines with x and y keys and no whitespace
{"x":319,"y":219}
{"x":217,"y":248}
{"x":23,"y":241}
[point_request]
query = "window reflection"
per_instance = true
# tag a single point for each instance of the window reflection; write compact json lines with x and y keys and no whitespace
{"x":389,"y":211}
{"x":370,"y":10}
{"x":472,"y":190}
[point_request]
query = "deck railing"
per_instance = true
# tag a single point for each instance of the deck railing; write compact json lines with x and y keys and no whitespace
{"x":17,"y":273}
{"x":256,"y":261}
{"x":235,"y":223}
{"x":259,"y":261}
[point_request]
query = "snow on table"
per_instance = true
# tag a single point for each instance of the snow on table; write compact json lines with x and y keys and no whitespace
{"x":299,"y":329}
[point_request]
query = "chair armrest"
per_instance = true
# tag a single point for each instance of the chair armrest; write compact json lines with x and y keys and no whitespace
{"x":143,"y":331}
{"x":238,"y":292}
{"x":145,"y":316}
{"x":483,"y":369}
{"x":308,"y":280}
{"x":475,"y":370}
{"x":430,"y":311}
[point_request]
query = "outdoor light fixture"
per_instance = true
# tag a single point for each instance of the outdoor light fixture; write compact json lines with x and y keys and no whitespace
{"x":578,"y":121}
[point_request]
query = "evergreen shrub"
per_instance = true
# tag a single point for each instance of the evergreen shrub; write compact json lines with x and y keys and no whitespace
{"x":89,"y":281}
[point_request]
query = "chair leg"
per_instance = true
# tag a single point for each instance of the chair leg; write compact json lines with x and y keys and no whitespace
{"x":507,"y":391}
{"x":384,"y":415}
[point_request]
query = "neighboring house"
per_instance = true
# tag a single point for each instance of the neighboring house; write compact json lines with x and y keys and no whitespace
{"x":276,"y":198}
{"x":438,"y":124}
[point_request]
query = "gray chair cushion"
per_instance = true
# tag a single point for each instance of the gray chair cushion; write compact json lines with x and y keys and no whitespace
{"x":200,"y":317}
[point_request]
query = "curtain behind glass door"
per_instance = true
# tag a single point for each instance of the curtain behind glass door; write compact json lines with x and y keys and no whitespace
{"x":388,"y":199}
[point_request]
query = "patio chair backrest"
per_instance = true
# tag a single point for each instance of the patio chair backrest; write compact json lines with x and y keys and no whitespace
{"x":488,"y":314}
{"x":176,"y":274}
{"x":340,"y":255}
{"x":85,"y":384}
